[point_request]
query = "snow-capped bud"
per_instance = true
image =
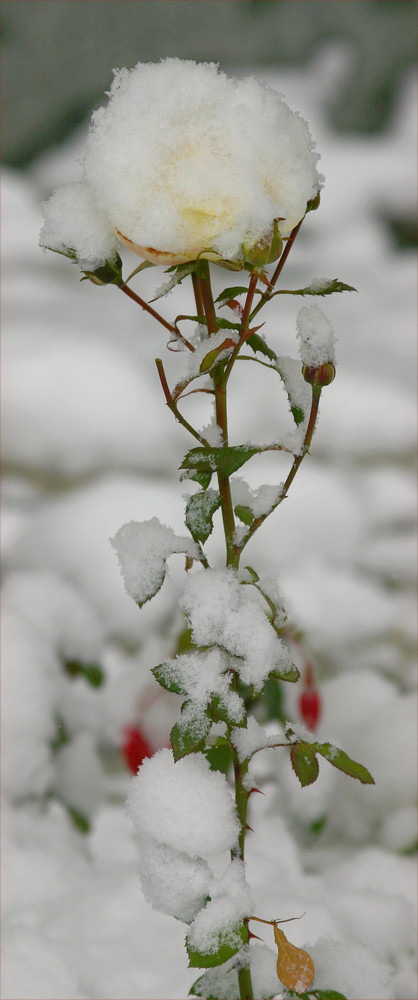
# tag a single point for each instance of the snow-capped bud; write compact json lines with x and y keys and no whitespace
{"x":265,"y":251}
{"x":321,"y":376}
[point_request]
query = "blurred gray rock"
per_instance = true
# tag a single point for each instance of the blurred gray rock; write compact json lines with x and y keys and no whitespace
{"x":58,"y":54}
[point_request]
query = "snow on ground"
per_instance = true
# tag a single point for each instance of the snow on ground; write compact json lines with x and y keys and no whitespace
{"x":90,"y":445}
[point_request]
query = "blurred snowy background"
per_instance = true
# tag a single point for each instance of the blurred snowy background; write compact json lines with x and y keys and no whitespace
{"x":89,"y":444}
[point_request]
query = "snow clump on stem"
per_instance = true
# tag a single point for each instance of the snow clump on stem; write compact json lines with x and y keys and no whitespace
{"x":185,"y":162}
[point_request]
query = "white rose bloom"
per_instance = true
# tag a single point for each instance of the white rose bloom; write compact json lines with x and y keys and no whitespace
{"x":185,"y":162}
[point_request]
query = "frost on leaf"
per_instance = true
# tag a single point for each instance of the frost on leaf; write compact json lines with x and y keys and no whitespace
{"x":142,"y":549}
{"x":199,"y":513}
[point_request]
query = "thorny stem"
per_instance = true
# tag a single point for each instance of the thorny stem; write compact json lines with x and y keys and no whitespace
{"x":144,"y":305}
{"x":316,"y":393}
{"x":172,"y":405}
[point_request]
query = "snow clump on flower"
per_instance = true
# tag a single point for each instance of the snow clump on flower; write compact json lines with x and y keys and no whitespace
{"x":184,"y":161}
{"x":316,"y":337}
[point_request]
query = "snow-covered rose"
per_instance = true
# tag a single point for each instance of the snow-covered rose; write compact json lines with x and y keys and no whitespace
{"x":186,"y":162}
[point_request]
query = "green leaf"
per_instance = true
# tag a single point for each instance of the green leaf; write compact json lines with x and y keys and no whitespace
{"x":79,"y":819}
{"x":290,"y":673}
{"x":231,"y":293}
{"x":229,"y":942}
{"x":338,"y":758}
{"x":224,"y":460}
{"x":200,"y":509}
{"x":91,"y":672}
{"x":179,"y":273}
{"x":189,"y":733}
{"x":258,"y":344}
{"x":94,"y":675}
{"x":245,"y":514}
{"x":304,"y":763}
{"x":225,"y":324}
{"x":297,"y":414}
{"x":165,"y":674}
{"x":141,"y":267}
{"x":219,"y":756}
{"x":210,"y":359}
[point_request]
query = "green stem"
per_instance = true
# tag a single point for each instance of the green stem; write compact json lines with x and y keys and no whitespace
{"x":267,"y":295}
{"x":203,"y":293}
{"x":316,"y":393}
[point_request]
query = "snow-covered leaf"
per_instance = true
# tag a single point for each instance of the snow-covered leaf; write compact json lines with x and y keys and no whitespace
{"x":200,"y":509}
{"x":143,"y":549}
{"x":229,"y":941}
{"x":326,"y":286}
{"x":189,"y":733}
{"x":230,"y":710}
{"x":165,"y":675}
{"x":224,"y":460}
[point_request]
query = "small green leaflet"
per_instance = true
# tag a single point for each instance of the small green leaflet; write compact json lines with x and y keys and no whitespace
{"x":222,"y":460}
{"x":304,"y":763}
{"x":179,"y":272}
{"x":92,"y":673}
{"x":338,"y":758}
{"x":231,"y":293}
{"x":210,"y":359}
{"x":230,"y":942}
{"x":189,"y":733}
{"x":245,"y":514}
{"x":200,"y":509}
{"x":258,"y":344}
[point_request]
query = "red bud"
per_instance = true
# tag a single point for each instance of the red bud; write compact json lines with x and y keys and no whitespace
{"x":310,"y":707}
{"x":134,"y":747}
